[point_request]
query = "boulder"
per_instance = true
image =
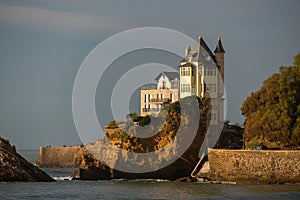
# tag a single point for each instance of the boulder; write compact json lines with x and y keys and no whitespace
{"x":13,"y":167}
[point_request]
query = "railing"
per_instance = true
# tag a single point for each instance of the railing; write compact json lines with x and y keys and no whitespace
{"x":152,"y":109}
{"x":160,"y":100}
{"x":199,"y":165}
{"x":172,"y":87}
{"x":155,"y":87}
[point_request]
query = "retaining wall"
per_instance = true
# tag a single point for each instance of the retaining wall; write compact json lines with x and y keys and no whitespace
{"x":262,"y":166}
{"x":60,"y":157}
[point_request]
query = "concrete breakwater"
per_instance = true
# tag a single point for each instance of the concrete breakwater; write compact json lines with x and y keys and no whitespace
{"x":249,"y":166}
{"x":60,"y":157}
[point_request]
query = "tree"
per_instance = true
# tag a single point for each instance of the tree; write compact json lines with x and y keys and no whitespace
{"x":272,"y":114}
{"x":145,"y":120}
{"x":134,"y":116}
{"x":112,"y":124}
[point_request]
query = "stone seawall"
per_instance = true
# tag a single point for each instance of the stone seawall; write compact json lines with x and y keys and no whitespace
{"x":249,"y":166}
{"x":60,"y":157}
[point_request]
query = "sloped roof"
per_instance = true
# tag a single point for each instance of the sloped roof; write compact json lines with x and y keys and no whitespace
{"x":170,"y":75}
{"x":201,"y":53}
{"x":187,"y":64}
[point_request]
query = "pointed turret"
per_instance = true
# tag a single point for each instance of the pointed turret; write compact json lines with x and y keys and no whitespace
{"x":219,"y":47}
{"x":219,"y":55}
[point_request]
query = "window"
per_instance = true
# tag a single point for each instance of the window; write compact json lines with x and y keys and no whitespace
{"x":210,"y":87}
{"x":214,"y":116}
{"x":174,"y":83}
{"x":185,"y":87}
{"x":193,"y":89}
{"x":147,"y":98}
{"x":185,"y":71}
{"x":163,"y":84}
{"x":215,"y":107}
{"x":210,"y":71}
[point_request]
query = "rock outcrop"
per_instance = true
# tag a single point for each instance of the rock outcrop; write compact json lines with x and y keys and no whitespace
{"x":92,"y":169}
{"x":14,"y":167}
{"x":123,"y":151}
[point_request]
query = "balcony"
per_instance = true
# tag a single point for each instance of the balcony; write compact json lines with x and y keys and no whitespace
{"x":150,"y":87}
{"x":152,"y":109}
{"x":160,"y":100}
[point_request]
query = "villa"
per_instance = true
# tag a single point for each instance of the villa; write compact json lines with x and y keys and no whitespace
{"x":201,"y":74}
{"x":155,"y":99}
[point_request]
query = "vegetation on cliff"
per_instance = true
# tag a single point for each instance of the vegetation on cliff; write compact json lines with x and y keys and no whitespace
{"x":166,"y":125}
{"x":273,"y":112}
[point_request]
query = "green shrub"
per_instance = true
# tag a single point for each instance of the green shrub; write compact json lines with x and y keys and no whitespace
{"x":112,"y":124}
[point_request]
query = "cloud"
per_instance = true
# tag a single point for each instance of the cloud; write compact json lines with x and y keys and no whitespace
{"x":58,"y":20}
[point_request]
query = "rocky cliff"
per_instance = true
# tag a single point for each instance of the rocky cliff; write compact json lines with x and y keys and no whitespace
{"x":175,"y":130}
{"x":14,"y":167}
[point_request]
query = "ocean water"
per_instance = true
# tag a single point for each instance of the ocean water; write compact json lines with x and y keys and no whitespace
{"x":64,"y":188}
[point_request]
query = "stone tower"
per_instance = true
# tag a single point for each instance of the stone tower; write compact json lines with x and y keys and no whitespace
{"x":219,"y":55}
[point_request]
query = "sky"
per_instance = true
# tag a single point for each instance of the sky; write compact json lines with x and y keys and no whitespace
{"x":44,"y":42}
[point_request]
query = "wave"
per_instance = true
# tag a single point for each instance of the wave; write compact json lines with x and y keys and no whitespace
{"x":62,"y":178}
{"x":118,"y":179}
{"x":69,"y":178}
{"x":148,"y":180}
{"x":135,"y":180}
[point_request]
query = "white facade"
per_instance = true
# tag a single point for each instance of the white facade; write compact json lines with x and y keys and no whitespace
{"x":168,"y":80}
{"x":202,"y":74}
{"x":154,"y":100}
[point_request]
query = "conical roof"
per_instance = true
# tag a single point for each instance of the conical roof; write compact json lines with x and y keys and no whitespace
{"x":219,"y":47}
